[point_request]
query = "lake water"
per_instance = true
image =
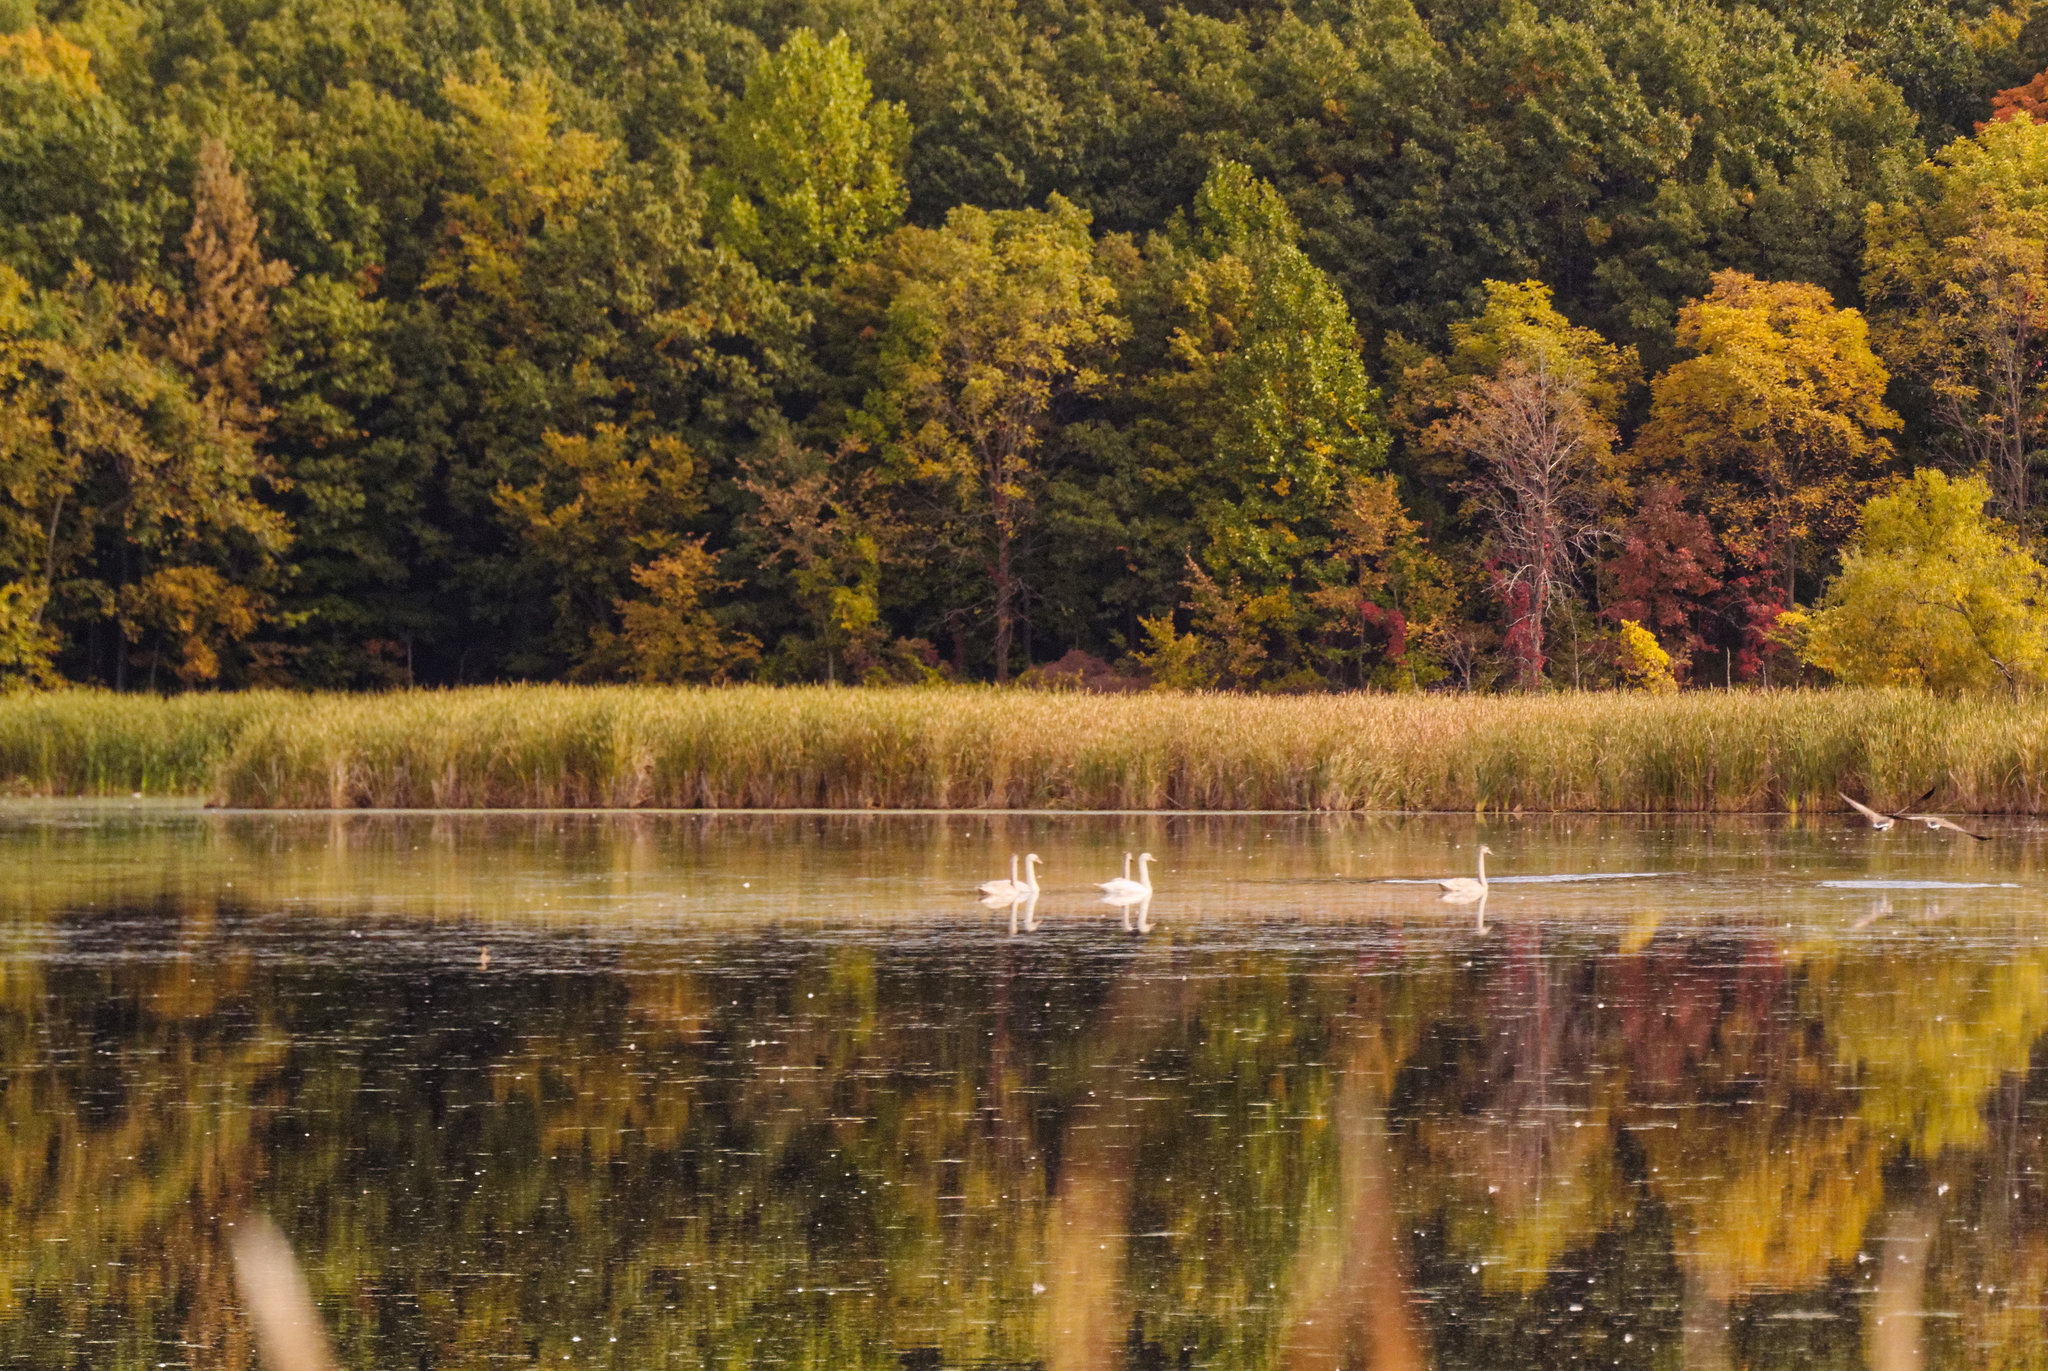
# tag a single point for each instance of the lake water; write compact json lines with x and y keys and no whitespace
{"x":744,"y":1091}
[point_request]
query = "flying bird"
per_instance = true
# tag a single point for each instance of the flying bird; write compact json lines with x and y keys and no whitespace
{"x":1935,"y":823}
{"x":1883,"y":822}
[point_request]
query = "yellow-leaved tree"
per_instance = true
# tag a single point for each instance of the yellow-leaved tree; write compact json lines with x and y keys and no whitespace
{"x":133,"y":467}
{"x":33,"y":479}
{"x":1957,"y":275}
{"x":1777,"y":424}
{"x":607,"y":515}
{"x":1644,"y":662}
{"x":1933,"y":592}
{"x":526,"y":175}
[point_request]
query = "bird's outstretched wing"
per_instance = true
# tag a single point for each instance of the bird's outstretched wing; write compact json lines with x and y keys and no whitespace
{"x":1900,"y":813}
{"x":1865,"y":810}
{"x":1934,"y":821}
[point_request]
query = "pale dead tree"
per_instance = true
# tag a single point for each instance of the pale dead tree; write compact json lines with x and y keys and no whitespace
{"x":1537,"y":447}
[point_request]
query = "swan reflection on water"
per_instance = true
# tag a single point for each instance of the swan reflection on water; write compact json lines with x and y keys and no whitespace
{"x":1141,"y":921}
{"x":1022,"y":902}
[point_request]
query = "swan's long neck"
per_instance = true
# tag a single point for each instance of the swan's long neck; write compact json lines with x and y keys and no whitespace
{"x":1482,"y":866}
{"x":1127,"y":866}
{"x":1145,"y":870}
{"x":1031,"y":874}
{"x":1013,"y":868}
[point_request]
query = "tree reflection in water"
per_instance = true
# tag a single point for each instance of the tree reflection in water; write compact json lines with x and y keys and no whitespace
{"x":1403,"y":1143}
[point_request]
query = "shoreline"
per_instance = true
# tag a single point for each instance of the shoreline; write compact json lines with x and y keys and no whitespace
{"x":198,"y":805}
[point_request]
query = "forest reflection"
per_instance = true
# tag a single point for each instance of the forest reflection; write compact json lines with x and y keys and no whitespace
{"x":1393,"y":1143}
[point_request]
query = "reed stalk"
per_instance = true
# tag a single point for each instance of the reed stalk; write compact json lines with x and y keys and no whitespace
{"x":523,"y":747}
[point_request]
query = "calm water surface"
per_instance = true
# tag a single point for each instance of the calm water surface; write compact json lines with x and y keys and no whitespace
{"x":742,"y":1091}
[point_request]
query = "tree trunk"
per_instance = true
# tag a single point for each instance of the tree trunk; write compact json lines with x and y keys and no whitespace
{"x":1531,"y":665}
{"x":49,"y":561}
{"x":120,"y":633}
{"x":1004,"y":590}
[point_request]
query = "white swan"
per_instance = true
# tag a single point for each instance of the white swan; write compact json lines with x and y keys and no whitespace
{"x":1000,"y":889}
{"x":1124,"y":890}
{"x":1463,"y":889}
{"x":1014,"y":889}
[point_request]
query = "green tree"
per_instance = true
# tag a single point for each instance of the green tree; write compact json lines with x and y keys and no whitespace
{"x":822,"y":517}
{"x":1264,"y":362}
{"x":991,"y":322}
{"x":980,"y":83}
{"x":1262,"y":419}
{"x":571,"y":290}
{"x":83,"y":176}
{"x":1932,"y":592}
{"x":813,"y":159}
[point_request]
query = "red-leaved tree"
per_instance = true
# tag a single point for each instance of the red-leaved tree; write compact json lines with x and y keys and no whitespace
{"x":1666,"y":573}
{"x":2030,"y":99}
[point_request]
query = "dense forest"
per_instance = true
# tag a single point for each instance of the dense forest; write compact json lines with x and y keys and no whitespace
{"x":1461,"y":344}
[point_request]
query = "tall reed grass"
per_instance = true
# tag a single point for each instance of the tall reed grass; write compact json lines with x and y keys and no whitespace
{"x":966,"y":748}
{"x":88,"y":742}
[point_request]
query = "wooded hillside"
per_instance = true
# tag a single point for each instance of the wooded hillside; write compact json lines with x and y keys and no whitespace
{"x":357,"y":342}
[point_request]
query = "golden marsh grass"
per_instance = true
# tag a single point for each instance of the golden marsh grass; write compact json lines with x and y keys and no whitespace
{"x":982,"y":748}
